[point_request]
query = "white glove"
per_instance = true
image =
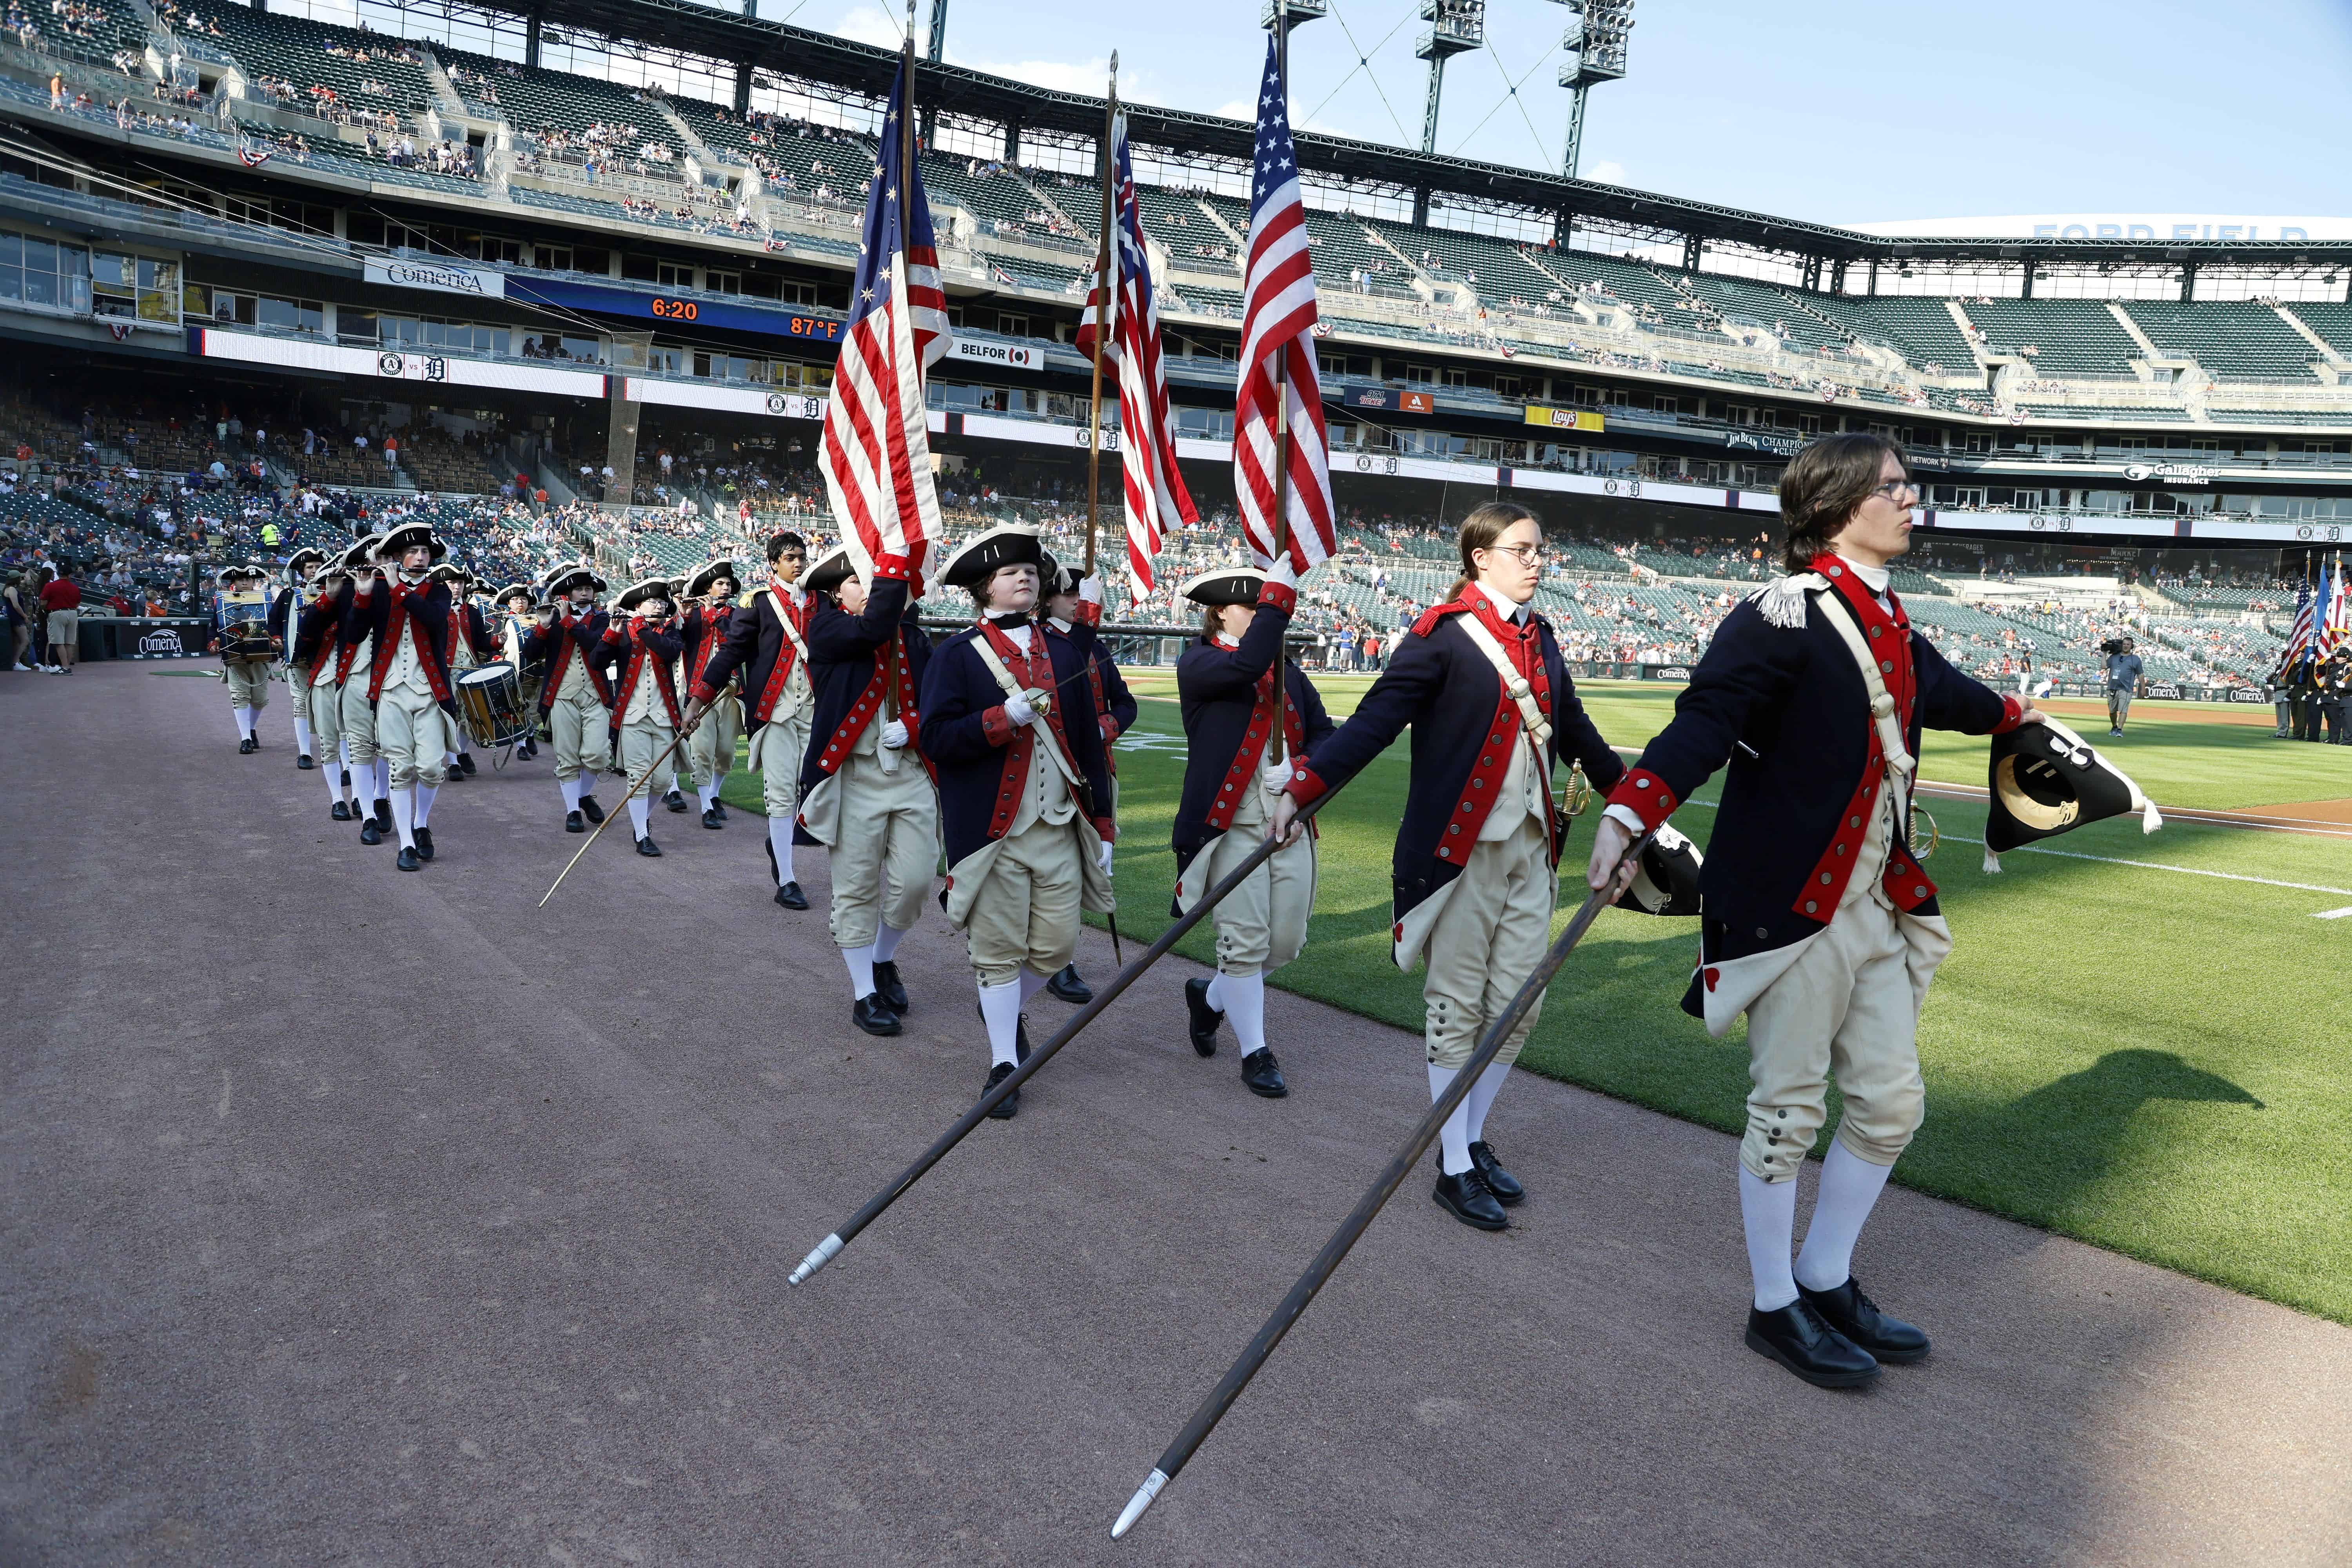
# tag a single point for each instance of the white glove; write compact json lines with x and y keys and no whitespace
{"x":1283,"y":573}
{"x":1090,"y":588}
{"x":1102,"y":855}
{"x":1017,"y":709}
{"x":1275,"y":775}
{"x":894,"y":735}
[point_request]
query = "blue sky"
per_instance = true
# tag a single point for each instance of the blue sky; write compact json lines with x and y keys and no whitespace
{"x":1839,"y":111}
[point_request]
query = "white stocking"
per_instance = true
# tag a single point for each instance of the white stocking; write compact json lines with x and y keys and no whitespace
{"x":780,"y":839}
{"x":640,"y":810}
{"x":1030,"y":982}
{"x":383,"y":778}
{"x":886,"y":942}
{"x":1242,"y":999}
{"x":334,"y":780}
{"x":301,"y":735}
{"x":1453,"y":1137}
{"x":425,"y":794}
{"x":861,"y":971}
{"x":403,"y":805}
{"x":1482,"y":1095}
{"x":243,"y":718}
{"x":1767,"y":1213}
{"x":1850,"y":1188}
{"x":1001,"y":1005}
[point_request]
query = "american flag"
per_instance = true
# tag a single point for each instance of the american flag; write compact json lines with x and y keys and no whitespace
{"x":876,"y":450}
{"x":1156,"y":497}
{"x":2300,"y":641}
{"x":1278,"y":326}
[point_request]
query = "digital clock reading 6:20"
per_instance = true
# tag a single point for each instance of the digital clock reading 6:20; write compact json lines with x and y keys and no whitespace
{"x":677,"y":310}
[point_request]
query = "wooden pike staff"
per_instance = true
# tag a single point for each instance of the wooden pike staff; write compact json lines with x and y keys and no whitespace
{"x":612,"y":815}
{"x":830,"y":1248}
{"x":1279,"y":738}
{"x":893,"y":701}
{"x":1106,"y":285}
{"x":1294,"y":1306}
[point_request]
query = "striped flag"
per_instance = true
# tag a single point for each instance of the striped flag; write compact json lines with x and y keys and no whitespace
{"x":1278,"y":319}
{"x":2300,"y":641}
{"x":2333,"y":617}
{"x":1156,"y":497}
{"x":876,"y":454}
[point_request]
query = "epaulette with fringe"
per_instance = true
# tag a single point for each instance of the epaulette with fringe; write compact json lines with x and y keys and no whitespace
{"x":1782,"y":600}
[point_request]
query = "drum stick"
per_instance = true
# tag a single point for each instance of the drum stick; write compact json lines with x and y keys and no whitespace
{"x":614,"y":815}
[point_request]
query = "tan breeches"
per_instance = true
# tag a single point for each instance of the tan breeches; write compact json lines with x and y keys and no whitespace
{"x":886,"y":848}
{"x":580,"y":729}
{"x":413,"y":733}
{"x":359,"y":717}
{"x":778,"y":747}
{"x":1027,"y":909}
{"x":1487,"y":940}
{"x":1849,"y":1005}
{"x":641,"y":745}
{"x":248,"y":683}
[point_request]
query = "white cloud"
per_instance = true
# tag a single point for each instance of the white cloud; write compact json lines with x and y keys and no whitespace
{"x":867,"y":23}
{"x":1239,"y":109}
{"x":1089,"y":76}
{"x":1607,"y":172}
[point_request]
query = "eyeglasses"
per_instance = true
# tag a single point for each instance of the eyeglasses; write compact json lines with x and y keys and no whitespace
{"x":1893,"y":488}
{"x":1528,"y":555}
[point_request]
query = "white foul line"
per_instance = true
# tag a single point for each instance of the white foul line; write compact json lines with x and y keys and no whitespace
{"x":2333,"y":914}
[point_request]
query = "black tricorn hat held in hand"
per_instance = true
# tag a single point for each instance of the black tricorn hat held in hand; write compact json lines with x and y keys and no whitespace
{"x":1667,"y":881}
{"x":2046,"y":780}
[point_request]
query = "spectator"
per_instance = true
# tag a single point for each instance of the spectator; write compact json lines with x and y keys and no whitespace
{"x":61,"y":603}
{"x":20,"y":623}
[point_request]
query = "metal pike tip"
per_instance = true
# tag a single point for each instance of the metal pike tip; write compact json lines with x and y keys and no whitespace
{"x":1138,"y":1502}
{"x":826,"y":1251}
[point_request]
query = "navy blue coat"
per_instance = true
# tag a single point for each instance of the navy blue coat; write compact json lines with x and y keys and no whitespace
{"x":1216,"y":688}
{"x":579,"y":637}
{"x":315,"y":628}
{"x":753,"y":642}
{"x":843,"y":665}
{"x":973,"y":746}
{"x":1786,"y":708}
{"x":1439,"y":683}
{"x":612,"y":655}
{"x":367,"y":617}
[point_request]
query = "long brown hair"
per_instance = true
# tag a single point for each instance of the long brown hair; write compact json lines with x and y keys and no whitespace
{"x":1487,"y":522}
{"x":1823,"y":486}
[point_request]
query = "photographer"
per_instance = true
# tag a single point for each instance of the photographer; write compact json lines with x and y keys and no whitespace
{"x":2123,"y":680}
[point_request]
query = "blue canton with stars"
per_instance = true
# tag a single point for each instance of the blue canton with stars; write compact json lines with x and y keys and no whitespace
{"x":869,"y":291}
{"x":1275,"y":164}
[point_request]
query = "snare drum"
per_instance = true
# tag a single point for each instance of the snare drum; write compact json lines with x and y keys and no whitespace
{"x":489,"y":703}
{"x":245,"y":640}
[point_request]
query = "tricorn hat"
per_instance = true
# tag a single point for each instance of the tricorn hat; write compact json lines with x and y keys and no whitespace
{"x":1667,"y":881}
{"x":2046,"y":780}
{"x":526,"y":591}
{"x":699,"y":583}
{"x":449,"y":572}
{"x":399,"y":541}
{"x":638,"y":593}
{"x":1007,"y":544}
{"x":361,"y":555}
{"x":829,"y":573}
{"x":1055,"y":578}
{"x":1226,"y":585}
{"x":230,"y":572}
{"x":308,"y":555}
{"x":562,"y":580}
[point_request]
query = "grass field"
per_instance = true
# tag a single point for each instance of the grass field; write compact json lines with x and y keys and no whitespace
{"x":2149,"y":1057}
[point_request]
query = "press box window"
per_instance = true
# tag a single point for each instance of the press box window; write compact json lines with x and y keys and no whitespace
{"x":43,"y":272}
{"x":136,"y":287}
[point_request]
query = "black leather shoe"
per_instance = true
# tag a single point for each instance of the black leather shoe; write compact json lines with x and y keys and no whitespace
{"x":1204,"y":1018}
{"x":710,"y":818}
{"x":674,"y":801}
{"x":889,"y":987}
{"x":1499,"y":1181}
{"x":304,"y":762}
{"x":589,"y":809}
{"x":1857,"y":1317}
{"x":368,"y":832}
{"x":1066,"y":985}
{"x":1021,"y":1040}
{"x":425,"y":843}
{"x":1802,"y":1339}
{"x":408,"y":859}
{"x":1261,"y":1074}
{"x":466,"y":763}
{"x":874,"y":1015}
{"x":720,"y":806}
{"x":453,"y":774}
{"x":1466,"y":1197}
{"x":572,"y":822}
{"x":646,"y":846}
{"x":383,"y":817}
{"x":248,"y":746}
{"x":790,"y":896}
{"x":1004,"y":1109}
{"x":342,"y":813}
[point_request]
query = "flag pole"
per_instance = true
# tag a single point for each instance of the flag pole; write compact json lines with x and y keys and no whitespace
{"x":1105,"y":281}
{"x":1277,"y":739}
{"x":892,"y":704}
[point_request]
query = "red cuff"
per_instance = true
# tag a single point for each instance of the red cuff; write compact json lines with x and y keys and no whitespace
{"x":2013,"y":714}
{"x":894,"y":567}
{"x":1109,"y":729}
{"x":1305,"y":786}
{"x":1107,"y":828}
{"x":706,"y":695}
{"x":1645,"y":795}
{"x":1277,"y":596}
{"x":999,"y":729}
{"x":1087,"y":614}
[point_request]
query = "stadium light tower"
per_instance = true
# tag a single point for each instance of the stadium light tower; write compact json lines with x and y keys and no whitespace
{"x":1456,"y":27}
{"x":1291,"y":15}
{"x":1597,"y":41}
